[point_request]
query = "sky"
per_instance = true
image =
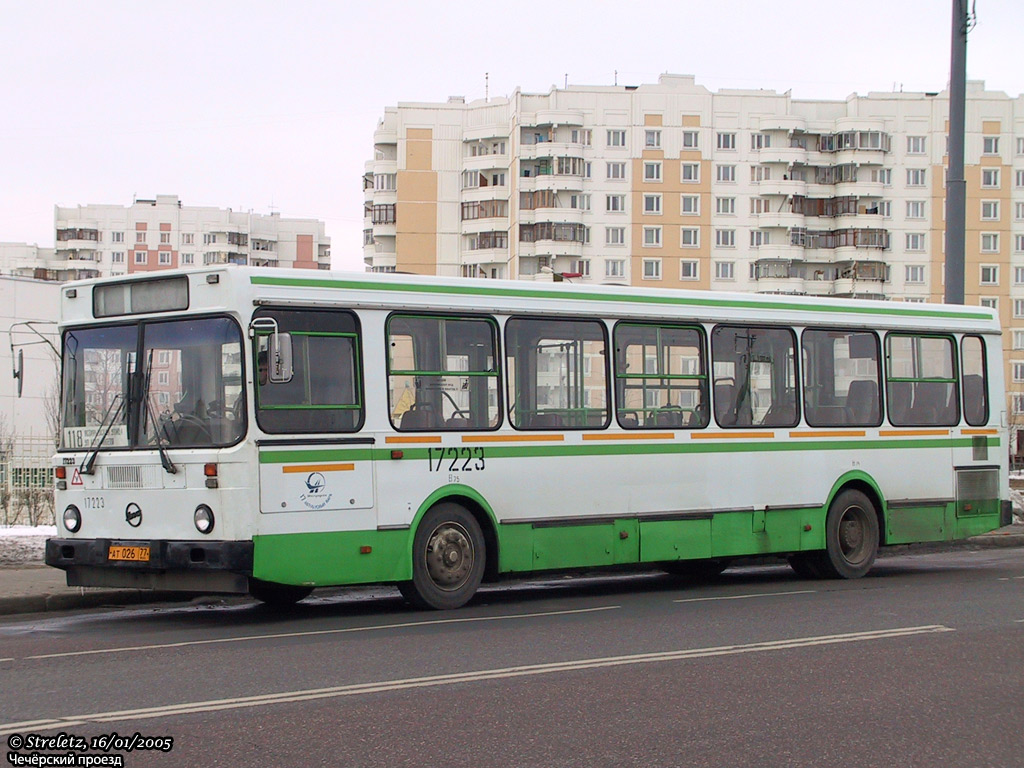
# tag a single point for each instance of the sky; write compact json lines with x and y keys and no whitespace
{"x":271,"y":106}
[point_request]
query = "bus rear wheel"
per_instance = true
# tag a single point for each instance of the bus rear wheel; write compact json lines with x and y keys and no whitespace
{"x":448,"y":558}
{"x":851,"y":537}
{"x":277,"y":595}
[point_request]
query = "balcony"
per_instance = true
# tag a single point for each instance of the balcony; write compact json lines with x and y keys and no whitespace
{"x":779,"y":252}
{"x":789,"y":123}
{"x":558,"y":182}
{"x":551,"y":149}
{"x":785,"y":219}
{"x":784,"y":187}
{"x":787,"y":285}
{"x":785,"y":155}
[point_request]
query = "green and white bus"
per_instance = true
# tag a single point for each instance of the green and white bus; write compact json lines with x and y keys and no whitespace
{"x":271,"y":431}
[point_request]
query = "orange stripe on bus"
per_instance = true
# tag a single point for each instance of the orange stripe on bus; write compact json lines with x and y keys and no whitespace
{"x":319,"y":468}
{"x":631,"y":436}
{"x":979,"y":431}
{"x":913,"y":433}
{"x":739,"y":435}
{"x":830,"y":433}
{"x":512,"y":438}
{"x":413,"y":439}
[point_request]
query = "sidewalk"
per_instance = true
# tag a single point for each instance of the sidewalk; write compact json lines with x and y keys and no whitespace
{"x":33,"y":587}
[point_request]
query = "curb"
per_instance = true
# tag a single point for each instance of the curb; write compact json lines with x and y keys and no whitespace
{"x":114,"y":597}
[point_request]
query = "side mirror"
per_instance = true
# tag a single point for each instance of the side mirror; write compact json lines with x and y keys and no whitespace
{"x":280,"y":358}
{"x":19,"y":370}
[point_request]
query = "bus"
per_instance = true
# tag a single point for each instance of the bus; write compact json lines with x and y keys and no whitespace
{"x":269,"y":431}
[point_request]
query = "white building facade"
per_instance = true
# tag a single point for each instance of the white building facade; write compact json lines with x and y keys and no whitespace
{"x":161,"y":233}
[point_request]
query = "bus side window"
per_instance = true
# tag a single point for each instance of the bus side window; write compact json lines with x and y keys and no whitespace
{"x":975,"y":380}
{"x":755,"y":376}
{"x":842,"y":378}
{"x":921,"y":380}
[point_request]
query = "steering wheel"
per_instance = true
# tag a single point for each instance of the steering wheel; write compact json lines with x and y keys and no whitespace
{"x":195,"y":421}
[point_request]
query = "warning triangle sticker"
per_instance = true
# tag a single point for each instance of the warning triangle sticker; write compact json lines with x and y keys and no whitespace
{"x":76,"y":477}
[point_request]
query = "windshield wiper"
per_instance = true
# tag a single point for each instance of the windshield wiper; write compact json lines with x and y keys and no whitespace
{"x":165,"y":459}
{"x":104,"y":427}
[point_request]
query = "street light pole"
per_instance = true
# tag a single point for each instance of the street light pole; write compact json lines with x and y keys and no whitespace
{"x":956,"y":185}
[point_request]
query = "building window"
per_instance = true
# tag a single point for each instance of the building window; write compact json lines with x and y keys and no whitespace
{"x":989,"y":242}
{"x":989,"y":274}
{"x":885,"y":209}
{"x":1018,"y":371}
{"x":117,"y":257}
{"x":915,"y":209}
{"x":759,"y":237}
{"x":725,"y":173}
{"x":140,"y":237}
{"x":760,"y":141}
{"x":726,"y":141}
{"x":915,"y":145}
{"x":689,"y":172}
{"x":725,"y":270}
{"x":580,"y":202}
{"x":141,"y":257}
{"x":1018,"y":244}
{"x":1018,"y":307}
{"x":759,"y":205}
{"x":691,"y":140}
{"x":990,"y":178}
{"x":616,"y":138}
{"x":725,"y":238}
{"x":915,"y":242}
{"x":882,"y":176}
{"x":1018,"y":339}
{"x":1018,"y":179}
{"x":209,"y":239}
{"x":652,"y":171}
{"x":725,"y":206}
{"x":991,"y":302}
{"x":614,"y":268}
{"x":689,"y":269}
{"x":990,"y":145}
{"x":187,"y":238}
{"x":187,"y":258}
{"x":652,"y":269}
{"x":914,"y":274}
{"x":580,"y":136}
{"x":615,"y":203}
{"x":652,"y":237}
{"x":990,"y":210}
{"x":689,"y":205}
{"x":1018,"y":211}
{"x":117,"y":237}
{"x":581,"y":267}
{"x":652,"y":139}
{"x":652,"y":204}
{"x":164,"y":258}
{"x":759,"y":173}
{"x":1020,"y":145}
{"x":916,"y":177}
{"x":615,"y":235}
{"x":689,"y":237}
{"x":165,"y":238}
{"x":616,"y":170}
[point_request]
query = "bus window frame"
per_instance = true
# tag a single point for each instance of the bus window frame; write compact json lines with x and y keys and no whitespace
{"x":985,"y":380}
{"x":358,"y":373}
{"x":498,"y":360}
{"x":509,"y":384}
{"x":881,"y":376}
{"x":797,"y":374}
{"x":955,"y":379}
{"x":703,"y":356}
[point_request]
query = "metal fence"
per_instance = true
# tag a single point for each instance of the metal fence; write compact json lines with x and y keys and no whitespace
{"x":26,"y":482}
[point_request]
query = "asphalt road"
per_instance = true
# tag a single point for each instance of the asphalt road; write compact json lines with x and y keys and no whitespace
{"x":919,"y":664}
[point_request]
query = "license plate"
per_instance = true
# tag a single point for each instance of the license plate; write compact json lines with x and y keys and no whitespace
{"x":134,"y":554}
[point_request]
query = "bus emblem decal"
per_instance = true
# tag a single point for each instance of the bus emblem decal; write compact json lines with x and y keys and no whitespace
{"x":133,"y":515}
{"x":316,"y":496}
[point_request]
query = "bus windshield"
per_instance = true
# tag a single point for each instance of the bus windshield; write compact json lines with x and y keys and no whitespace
{"x":175,"y":383}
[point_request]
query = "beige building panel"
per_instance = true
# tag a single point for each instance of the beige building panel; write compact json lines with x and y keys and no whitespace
{"x":418,"y":149}
{"x":653,"y":119}
{"x":691,"y":121}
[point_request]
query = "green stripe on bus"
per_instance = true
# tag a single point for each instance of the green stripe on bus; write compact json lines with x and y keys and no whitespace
{"x":525,"y":293}
{"x":613,"y":449}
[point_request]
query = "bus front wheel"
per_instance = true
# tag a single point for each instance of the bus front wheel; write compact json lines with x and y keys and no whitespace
{"x":448,"y":558}
{"x":851,"y":537}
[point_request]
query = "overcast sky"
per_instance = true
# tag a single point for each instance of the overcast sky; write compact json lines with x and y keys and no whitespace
{"x":253,"y":104}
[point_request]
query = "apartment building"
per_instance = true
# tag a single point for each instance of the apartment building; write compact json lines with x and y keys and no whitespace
{"x":673,"y":185}
{"x":161,"y":233}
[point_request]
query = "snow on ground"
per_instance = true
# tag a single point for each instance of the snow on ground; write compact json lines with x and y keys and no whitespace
{"x":23,"y":544}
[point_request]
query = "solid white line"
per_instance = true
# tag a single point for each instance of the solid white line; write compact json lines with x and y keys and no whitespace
{"x":744,"y":597}
{"x":245,"y":702}
{"x":313,"y":633}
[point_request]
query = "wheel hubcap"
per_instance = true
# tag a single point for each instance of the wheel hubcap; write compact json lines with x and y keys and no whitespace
{"x":449,"y":556}
{"x":853,"y":540}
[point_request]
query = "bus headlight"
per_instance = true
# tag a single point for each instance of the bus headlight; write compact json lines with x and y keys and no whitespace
{"x":72,"y":518}
{"x":203,"y":519}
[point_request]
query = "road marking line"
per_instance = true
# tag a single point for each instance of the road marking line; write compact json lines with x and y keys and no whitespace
{"x":1009,"y":578}
{"x":744,"y":597}
{"x":313,"y":633}
{"x":383,"y":686}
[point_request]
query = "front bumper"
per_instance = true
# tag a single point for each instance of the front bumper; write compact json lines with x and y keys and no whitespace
{"x":190,"y":566}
